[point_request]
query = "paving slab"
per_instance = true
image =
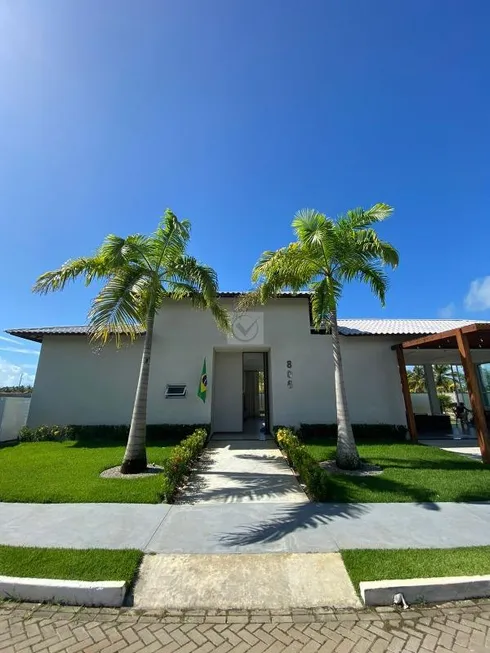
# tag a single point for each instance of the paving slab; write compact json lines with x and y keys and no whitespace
{"x":250,"y":527}
{"x":80,"y":525}
{"x":241,"y":471}
{"x":245,"y":582}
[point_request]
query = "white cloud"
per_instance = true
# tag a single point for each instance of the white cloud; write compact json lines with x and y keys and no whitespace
{"x":447,"y":311}
{"x":7,"y":339}
{"x":478,"y":297}
{"x":10,"y":373}
{"x":18,"y":350}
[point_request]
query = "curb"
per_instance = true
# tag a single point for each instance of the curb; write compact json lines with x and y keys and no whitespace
{"x":425,"y":590}
{"x":72,"y":592}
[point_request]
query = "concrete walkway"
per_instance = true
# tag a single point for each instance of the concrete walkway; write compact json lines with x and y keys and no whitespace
{"x":279,"y":581}
{"x":464,"y":447}
{"x":236,"y":471}
{"x":246,"y":527}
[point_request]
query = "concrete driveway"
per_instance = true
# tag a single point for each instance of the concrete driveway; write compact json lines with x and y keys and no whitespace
{"x":236,"y":471}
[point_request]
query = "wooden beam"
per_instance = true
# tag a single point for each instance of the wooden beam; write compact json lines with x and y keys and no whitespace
{"x":439,"y":338}
{"x":475,"y":395}
{"x":433,"y":338}
{"x":412,"y":428}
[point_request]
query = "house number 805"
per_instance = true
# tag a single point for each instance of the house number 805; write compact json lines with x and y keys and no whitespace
{"x":289,"y":374}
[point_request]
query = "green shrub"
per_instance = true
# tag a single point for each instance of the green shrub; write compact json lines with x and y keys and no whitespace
{"x":180,"y":461}
{"x":369,"y":432}
{"x":46,"y":434}
{"x":313,"y":476}
{"x":113,"y":433}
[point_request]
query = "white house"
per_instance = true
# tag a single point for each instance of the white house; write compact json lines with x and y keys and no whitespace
{"x":273,"y":367}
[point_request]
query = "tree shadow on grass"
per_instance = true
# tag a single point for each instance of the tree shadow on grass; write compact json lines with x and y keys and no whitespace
{"x":102,"y":443}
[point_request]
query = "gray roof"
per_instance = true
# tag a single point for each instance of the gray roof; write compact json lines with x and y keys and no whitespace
{"x":37,"y":333}
{"x":347,"y":327}
{"x":372,"y":327}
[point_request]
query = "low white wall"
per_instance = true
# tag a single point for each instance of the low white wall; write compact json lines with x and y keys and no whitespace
{"x":13,"y":416}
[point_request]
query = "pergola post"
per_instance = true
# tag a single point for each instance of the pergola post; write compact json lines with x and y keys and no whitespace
{"x":475,"y":395}
{"x":412,"y":428}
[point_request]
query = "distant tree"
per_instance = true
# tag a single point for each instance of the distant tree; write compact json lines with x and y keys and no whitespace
{"x":442,"y":378}
{"x":18,"y":389}
{"x":416,"y":379}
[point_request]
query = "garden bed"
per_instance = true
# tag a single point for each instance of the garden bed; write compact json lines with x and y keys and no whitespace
{"x":69,"y":471}
{"x":410,"y":472}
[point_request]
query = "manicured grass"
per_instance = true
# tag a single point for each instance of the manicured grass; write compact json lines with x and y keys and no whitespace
{"x":69,"y":564}
{"x":394,"y":564}
{"x":410,"y":473}
{"x":67,"y":472}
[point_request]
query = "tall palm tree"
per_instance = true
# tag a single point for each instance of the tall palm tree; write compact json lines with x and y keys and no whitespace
{"x":139,"y":274}
{"x":327,"y":254}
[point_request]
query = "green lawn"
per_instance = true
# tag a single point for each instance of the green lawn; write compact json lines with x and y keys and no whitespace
{"x":410,"y":473}
{"x":67,"y":472}
{"x":69,"y":564}
{"x":386,"y":564}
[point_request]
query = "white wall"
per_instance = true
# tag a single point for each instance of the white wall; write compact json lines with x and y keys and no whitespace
{"x":13,"y":416}
{"x":76,"y":386}
{"x":372,"y":380}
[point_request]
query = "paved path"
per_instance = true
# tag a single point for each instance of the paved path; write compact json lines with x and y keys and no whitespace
{"x":459,"y":629}
{"x":232,"y":471}
{"x":465,"y":447}
{"x":246,"y":527}
{"x":248,"y":581}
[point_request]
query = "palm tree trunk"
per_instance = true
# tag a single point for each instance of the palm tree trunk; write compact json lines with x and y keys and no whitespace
{"x":134,"y":460}
{"x":347,"y":454}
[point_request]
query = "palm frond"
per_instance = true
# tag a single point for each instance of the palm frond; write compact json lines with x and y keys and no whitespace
{"x":370,"y":273}
{"x":170,"y":240}
{"x":289,"y":268}
{"x":311,"y":227}
{"x":187,"y":278}
{"x":89,"y":268}
{"x":325,"y":294}
{"x":360,"y":218}
{"x":368,"y":244}
{"x":118,"y":307}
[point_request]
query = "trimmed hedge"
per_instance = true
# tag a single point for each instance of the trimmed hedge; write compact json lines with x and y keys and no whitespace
{"x":180,"y":461}
{"x":361,"y":431}
{"x":313,"y":476}
{"x":118,"y":433}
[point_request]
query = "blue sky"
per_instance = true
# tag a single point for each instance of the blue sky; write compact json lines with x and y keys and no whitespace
{"x":236,"y":114}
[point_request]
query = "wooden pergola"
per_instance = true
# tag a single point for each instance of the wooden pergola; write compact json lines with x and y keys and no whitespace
{"x":464,"y":339}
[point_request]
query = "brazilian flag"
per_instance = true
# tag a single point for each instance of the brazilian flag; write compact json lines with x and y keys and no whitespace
{"x":203,"y":383}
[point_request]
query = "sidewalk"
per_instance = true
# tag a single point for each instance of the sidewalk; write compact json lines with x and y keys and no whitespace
{"x":246,"y":527}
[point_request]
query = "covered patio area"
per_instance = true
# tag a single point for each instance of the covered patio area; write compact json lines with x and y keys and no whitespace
{"x":468,"y":346}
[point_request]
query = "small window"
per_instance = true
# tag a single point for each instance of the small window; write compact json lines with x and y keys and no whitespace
{"x":176,"y":390}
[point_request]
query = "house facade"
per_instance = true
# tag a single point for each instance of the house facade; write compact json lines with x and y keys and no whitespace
{"x":272,"y":368}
